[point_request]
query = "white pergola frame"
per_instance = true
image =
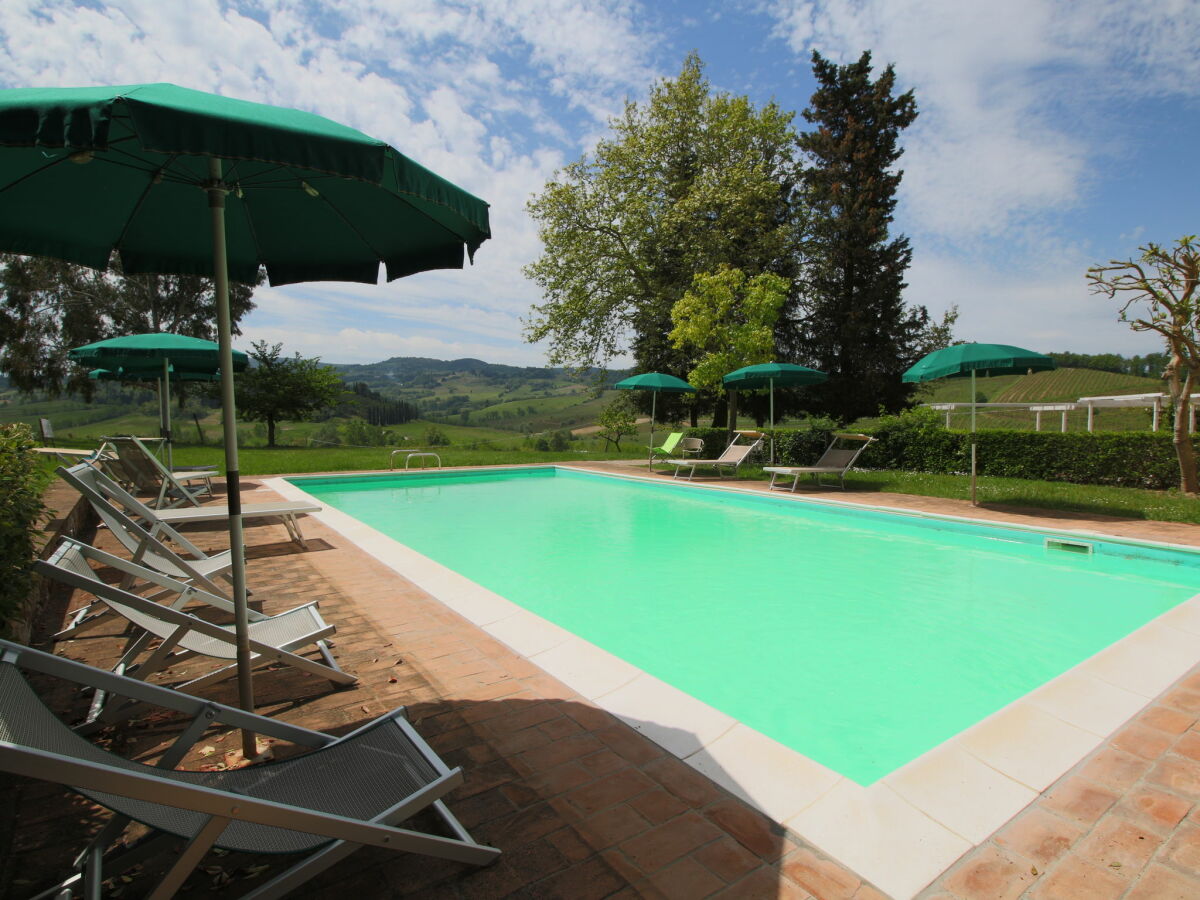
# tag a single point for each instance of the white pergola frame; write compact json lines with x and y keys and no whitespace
{"x":1154,"y":402}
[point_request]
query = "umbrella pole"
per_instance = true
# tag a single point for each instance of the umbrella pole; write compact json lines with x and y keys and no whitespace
{"x":973,"y":395}
{"x":166,"y":411}
{"x":216,"y":203}
{"x":772,"y":421}
{"x":653,"y":406}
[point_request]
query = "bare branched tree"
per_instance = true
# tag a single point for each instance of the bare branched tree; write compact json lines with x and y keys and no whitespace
{"x":1160,"y":292}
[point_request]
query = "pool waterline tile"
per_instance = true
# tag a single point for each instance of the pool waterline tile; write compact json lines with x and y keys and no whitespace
{"x":1025,"y":744}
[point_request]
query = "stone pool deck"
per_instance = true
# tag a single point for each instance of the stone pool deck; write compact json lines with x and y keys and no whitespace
{"x":585,"y":806}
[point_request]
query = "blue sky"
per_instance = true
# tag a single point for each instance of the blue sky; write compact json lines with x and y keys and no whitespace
{"x":1052,"y":135}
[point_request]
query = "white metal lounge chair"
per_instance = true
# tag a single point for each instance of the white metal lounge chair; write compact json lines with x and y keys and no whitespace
{"x":284,"y":510}
{"x":834,"y":461}
{"x":347,"y":793}
{"x":273,"y":639}
{"x":148,"y":546}
{"x":150,"y":476}
{"x":735,"y":454}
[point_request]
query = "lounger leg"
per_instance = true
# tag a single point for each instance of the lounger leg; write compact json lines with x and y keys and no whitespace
{"x":293,"y":527}
{"x":189,"y":859}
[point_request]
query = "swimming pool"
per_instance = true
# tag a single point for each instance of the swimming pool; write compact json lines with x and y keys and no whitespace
{"x":858,"y":638}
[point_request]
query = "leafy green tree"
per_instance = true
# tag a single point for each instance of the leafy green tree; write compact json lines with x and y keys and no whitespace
{"x":857,"y":328}
{"x":687,"y":182}
{"x":1160,"y":292}
{"x":22,"y":480}
{"x":618,"y":419}
{"x":278,"y":387}
{"x":48,"y":306}
{"x":727,"y":321}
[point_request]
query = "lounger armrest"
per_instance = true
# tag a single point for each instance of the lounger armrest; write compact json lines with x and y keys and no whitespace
{"x":150,"y":788}
{"x":79,"y":673}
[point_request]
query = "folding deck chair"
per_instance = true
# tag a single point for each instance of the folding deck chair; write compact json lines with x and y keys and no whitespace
{"x":284,"y":510}
{"x":273,"y":639}
{"x":148,"y":546}
{"x":346,"y":793}
{"x":150,"y":476}
{"x":735,"y":454}
{"x":834,"y":461}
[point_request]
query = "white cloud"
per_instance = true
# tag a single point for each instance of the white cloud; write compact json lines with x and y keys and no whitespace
{"x":1011,"y":94}
{"x":491,"y":94}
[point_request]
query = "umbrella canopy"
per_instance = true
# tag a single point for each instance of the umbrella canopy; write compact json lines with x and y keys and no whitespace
{"x":962,"y":360}
{"x":89,"y":170}
{"x":158,"y":356}
{"x":768,"y":375}
{"x":658,"y":383}
{"x":180,"y":181}
{"x":135,"y":352}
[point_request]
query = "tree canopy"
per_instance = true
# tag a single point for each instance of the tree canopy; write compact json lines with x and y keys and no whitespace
{"x":1160,"y":292}
{"x":278,"y":387}
{"x":48,"y":306}
{"x":857,"y":328}
{"x":688,"y":181}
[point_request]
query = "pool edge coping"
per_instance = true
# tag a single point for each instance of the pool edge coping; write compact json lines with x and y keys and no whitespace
{"x":943,"y":803}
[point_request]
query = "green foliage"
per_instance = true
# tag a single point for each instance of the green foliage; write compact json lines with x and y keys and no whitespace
{"x":727,"y":321}
{"x":435,"y":437}
{"x":688,"y":181}
{"x":361,"y":433}
{"x":618,"y":419}
{"x":48,"y":306}
{"x":858,"y":329}
{"x":279,"y":387}
{"x":916,"y":441}
{"x":542,"y":445}
{"x":560,"y":441}
{"x":22,"y":481}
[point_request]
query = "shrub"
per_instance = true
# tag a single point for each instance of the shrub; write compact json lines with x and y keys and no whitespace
{"x":541,"y":444}
{"x":435,"y":437}
{"x":560,"y":441}
{"x":22,"y":480}
{"x":916,"y":441}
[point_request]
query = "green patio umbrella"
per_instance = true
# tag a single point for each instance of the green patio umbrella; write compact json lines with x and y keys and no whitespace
{"x":657,"y":383}
{"x":184,"y":182}
{"x":962,"y":360}
{"x":767,"y":375}
{"x":157,"y":356}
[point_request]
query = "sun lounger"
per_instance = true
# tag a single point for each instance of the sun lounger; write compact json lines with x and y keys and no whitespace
{"x":148,"y":547}
{"x":834,"y":461}
{"x":150,"y":476}
{"x":735,"y":454}
{"x":347,"y":793}
{"x":284,"y":510}
{"x":664,"y":450}
{"x":273,"y":639}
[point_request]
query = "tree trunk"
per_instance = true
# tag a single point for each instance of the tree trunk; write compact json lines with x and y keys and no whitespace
{"x":1185,"y":451}
{"x":270,"y":432}
{"x":732,"y":418}
{"x":720,"y":411}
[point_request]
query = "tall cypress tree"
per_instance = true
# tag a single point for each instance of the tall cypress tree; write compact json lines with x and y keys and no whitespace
{"x":857,"y":327}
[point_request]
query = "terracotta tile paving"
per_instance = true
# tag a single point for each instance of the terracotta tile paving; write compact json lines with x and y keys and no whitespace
{"x":584,"y":806}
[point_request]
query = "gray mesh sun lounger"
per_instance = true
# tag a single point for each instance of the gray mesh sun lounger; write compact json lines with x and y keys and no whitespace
{"x":273,"y":639}
{"x":148,"y":546}
{"x":150,"y":476}
{"x":284,"y":510}
{"x":735,"y":454}
{"x":834,"y":461}
{"x":347,"y":793}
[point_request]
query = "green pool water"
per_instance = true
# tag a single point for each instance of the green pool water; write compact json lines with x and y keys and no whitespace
{"x":859,"y":638}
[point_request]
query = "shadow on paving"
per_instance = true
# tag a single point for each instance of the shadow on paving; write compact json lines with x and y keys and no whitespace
{"x":580,"y":806}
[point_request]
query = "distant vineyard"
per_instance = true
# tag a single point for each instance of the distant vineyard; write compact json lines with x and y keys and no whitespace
{"x":1055,"y":386}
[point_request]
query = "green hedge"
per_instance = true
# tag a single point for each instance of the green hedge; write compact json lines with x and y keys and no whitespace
{"x":22,"y":480}
{"x":917,"y":441}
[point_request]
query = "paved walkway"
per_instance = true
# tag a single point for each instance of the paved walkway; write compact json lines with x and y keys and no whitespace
{"x":584,"y":806}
